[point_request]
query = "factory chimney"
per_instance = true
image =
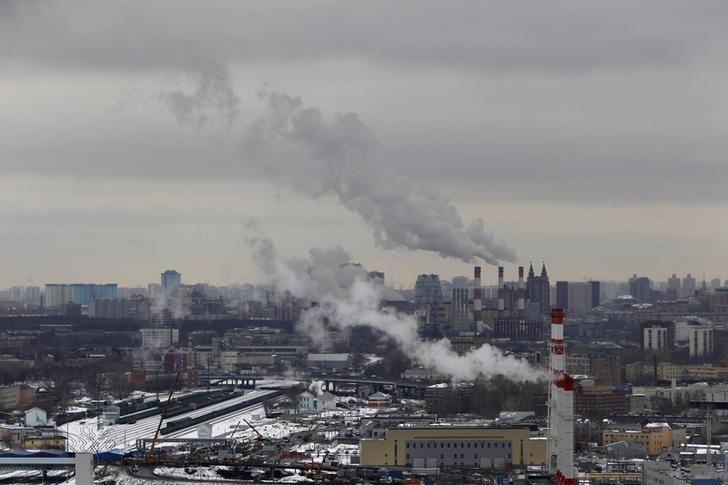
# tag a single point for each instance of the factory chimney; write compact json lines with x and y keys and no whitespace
{"x":477,"y":300}
{"x":501,"y":294}
{"x":561,"y":406}
{"x":521,"y":295}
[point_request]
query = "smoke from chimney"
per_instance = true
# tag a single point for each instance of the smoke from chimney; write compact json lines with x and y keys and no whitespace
{"x":348,"y":300}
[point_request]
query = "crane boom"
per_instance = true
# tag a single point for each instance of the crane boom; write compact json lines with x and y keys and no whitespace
{"x":150,"y":453}
{"x":253,"y":428}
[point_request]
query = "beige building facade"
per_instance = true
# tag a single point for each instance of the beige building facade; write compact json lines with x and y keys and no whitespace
{"x":467,"y":446}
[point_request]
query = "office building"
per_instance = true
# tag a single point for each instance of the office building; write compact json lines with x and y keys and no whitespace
{"x":573,"y":296}
{"x":171,"y":281}
{"x":596,"y":294}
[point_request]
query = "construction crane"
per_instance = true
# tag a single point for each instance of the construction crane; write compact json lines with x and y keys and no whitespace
{"x":150,"y":453}
{"x":260,"y":436}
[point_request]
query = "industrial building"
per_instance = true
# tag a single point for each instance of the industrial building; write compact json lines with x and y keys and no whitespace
{"x":449,"y":445}
{"x":516,"y":326}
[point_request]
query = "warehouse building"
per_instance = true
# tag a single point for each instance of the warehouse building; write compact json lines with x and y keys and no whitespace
{"x":449,"y":445}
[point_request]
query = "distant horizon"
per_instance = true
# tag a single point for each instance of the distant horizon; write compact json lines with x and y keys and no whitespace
{"x":388,"y":280}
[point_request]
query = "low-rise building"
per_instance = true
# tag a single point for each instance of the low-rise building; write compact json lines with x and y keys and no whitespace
{"x":654,"y":437}
{"x":450,"y":445}
{"x":379,"y":400}
{"x":329,"y":362}
{"x":36,"y":417}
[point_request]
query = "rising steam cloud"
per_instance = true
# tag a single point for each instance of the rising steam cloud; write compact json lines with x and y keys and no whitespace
{"x":401,"y":213}
{"x":346,"y":299}
{"x":330,"y":157}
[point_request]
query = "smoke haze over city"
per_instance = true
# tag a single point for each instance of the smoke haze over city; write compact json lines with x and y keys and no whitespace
{"x":118,"y":141}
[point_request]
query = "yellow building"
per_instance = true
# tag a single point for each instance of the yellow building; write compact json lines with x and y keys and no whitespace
{"x":44,"y":443}
{"x":654,"y":437}
{"x":468,"y":446}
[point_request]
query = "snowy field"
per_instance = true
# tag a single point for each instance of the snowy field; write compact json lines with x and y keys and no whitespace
{"x":83,"y":435}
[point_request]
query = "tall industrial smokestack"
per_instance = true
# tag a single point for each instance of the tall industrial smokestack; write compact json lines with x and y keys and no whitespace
{"x":561,"y":406}
{"x":501,"y":294}
{"x":477,"y":299}
{"x":521,"y":294}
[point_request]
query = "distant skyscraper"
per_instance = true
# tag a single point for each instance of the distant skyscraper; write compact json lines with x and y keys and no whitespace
{"x":688,"y":286}
{"x":641,"y":289}
{"x":538,"y":290}
{"x":714,"y":283}
{"x":562,"y":294}
{"x":428,"y":289}
{"x":596,"y":294}
{"x":171,"y":281}
{"x":674,"y":287}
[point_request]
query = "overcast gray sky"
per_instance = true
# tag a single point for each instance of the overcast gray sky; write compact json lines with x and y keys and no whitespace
{"x":588,"y":135}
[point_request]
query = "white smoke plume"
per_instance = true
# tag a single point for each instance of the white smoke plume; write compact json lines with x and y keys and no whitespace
{"x":330,"y":157}
{"x":213,"y":98}
{"x":345,"y":299}
{"x":401,"y":213}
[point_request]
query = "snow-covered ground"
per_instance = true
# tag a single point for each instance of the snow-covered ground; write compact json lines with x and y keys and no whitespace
{"x":340,"y":454}
{"x":84,"y":436}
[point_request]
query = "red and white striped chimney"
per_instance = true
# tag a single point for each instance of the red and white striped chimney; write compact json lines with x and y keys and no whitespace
{"x":501,"y":294}
{"x":561,"y":406}
{"x":521,"y":294}
{"x":477,"y":299}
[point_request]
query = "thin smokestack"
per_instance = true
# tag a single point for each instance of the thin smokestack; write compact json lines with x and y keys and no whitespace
{"x":477,"y":299}
{"x":521,"y":294}
{"x":501,"y":294}
{"x":561,"y":405}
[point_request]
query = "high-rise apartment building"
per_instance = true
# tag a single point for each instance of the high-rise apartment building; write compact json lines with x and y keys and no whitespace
{"x":171,"y":281}
{"x":80,"y":294}
{"x":641,"y":289}
{"x":674,"y":287}
{"x":688,"y":286}
{"x":700,"y":340}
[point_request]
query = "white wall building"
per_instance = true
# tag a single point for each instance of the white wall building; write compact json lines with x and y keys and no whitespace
{"x":654,"y":339}
{"x":700,"y":339}
{"x":36,"y":417}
